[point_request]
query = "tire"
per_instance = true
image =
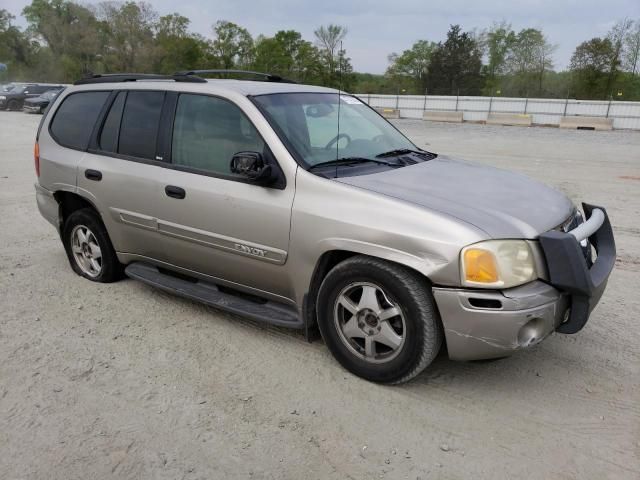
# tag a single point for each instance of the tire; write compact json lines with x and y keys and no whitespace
{"x":89,"y":248}
{"x":13,"y":105}
{"x":359,"y":337}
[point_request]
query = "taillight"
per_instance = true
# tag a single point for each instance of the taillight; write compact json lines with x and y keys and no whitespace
{"x":36,"y":158}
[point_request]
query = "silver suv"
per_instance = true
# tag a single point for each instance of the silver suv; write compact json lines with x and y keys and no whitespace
{"x":301,"y":206}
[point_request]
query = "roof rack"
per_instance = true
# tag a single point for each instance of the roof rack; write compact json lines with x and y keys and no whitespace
{"x":133,"y":77}
{"x":267,"y":76}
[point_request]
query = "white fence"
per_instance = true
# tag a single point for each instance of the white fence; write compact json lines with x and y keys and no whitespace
{"x":544,"y":111}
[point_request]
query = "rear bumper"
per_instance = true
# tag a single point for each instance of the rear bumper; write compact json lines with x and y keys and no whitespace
{"x":48,"y":206}
{"x":481,"y":324}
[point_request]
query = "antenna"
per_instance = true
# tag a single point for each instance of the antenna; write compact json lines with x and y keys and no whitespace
{"x":339,"y":103}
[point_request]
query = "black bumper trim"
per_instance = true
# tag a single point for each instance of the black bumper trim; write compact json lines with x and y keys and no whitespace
{"x":569,"y":272}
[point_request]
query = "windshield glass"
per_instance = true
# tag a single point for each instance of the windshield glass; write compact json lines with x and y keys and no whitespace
{"x":49,"y":95}
{"x":18,"y":89}
{"x":309,"y":121}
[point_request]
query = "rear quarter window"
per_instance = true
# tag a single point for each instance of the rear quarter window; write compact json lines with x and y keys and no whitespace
{"x":74,"y":120}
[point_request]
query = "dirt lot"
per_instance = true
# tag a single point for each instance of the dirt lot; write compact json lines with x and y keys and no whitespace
{"x":123,"y":381}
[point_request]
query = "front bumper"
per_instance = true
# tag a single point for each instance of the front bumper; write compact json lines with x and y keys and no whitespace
{"x":482,"y":324}
{"x":570,"y":272}
{"x":31,"y":108}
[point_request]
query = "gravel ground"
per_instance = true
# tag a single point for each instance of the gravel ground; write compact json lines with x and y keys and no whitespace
{"x":124,"y":381}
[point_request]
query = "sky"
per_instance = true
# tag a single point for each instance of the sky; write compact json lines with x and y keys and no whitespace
{"x":377,"y":28}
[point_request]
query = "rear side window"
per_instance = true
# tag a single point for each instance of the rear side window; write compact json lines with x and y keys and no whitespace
{"x":74,"y":120}
{"x":139,"y":126}
{"x":110,"y":132}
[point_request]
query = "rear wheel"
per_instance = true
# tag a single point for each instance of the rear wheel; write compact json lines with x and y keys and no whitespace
{"x":89,"y":248}
{"x":13,"y":105}
{"x":378,"y":319}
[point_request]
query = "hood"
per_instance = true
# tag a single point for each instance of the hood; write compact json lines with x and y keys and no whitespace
{"x":501,"y":203}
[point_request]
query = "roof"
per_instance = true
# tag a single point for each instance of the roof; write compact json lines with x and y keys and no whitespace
{"x":249,"y":87}
{"x":241,"y":87}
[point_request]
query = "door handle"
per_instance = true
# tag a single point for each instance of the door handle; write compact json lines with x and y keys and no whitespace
{"x":174,"y":192}
{"x":94,"y":175}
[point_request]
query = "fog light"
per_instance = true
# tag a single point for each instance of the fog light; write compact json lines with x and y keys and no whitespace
{"x":531,"y":333}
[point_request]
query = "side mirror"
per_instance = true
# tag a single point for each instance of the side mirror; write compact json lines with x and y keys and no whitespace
{"x":251,"y":166}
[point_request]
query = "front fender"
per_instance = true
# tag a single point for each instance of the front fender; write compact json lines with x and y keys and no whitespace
{"x":425,"y":263}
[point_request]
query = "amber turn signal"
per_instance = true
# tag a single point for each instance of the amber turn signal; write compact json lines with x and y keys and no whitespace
{"x":480,"y":266}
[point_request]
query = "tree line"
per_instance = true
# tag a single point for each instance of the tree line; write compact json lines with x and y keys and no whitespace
{"x":64,"y":41}
{"x":500,"y":61}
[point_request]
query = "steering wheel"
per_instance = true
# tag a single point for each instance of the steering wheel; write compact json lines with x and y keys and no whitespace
{"x":337,"y":139}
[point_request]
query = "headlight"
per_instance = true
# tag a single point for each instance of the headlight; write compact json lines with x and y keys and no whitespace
{"x":500,"y":263}
{"x":2,"y":97}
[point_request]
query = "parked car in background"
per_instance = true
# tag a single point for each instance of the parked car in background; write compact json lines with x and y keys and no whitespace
{"x":40,"y":104}
{"x":14,"y":99}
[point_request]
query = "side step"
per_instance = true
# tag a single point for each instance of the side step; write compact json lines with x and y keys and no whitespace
{"x":209,"y":294}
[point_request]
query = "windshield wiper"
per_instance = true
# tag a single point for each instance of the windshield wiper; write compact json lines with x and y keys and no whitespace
{"x":405,"y":151}
{"x":346,"y":161}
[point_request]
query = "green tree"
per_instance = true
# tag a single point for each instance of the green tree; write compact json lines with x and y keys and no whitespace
{"x":177,"y":48}
{"x":71,"y":33}
{"x":328,"y":41}
{"x":15,"y":48}
{"x":233,"y":45}
{"x":288,"y":55}
{"x":632,"y":49}
{"x":528,"y":59}
{"x":128,"y":29}
{"x":456,"y":65}
{"x":497,"y":42}
{"x":413,"y":63}
{"x":591,"y":68}
{"x":617,"y":36}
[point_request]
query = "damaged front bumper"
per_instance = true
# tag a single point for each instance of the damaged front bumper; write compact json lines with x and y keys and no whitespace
{"x":481,"y":324}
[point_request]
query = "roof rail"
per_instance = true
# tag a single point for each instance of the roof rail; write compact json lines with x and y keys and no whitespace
{"x":133,"y":77}
{"x":267,"y":76}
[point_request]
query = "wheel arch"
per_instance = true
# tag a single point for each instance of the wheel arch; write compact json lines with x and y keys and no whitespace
{"x":332,"y":257}
{"x":69,"y":202}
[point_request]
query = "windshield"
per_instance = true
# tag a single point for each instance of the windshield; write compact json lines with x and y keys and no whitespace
{"x":309,"y":121}
{"x":49,"y":95}
{"x":18,"y":89}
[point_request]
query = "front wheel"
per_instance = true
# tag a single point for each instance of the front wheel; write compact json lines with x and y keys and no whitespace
{"x":379,"y":319}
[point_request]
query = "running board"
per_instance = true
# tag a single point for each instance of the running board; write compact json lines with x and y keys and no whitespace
{"x":208,"y":293}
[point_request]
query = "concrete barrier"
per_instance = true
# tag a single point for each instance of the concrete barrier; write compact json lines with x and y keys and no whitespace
{"x":442,"y":116}
{"x":519,"y":119}
{"x":586,"y":123}
{"x":388,"y":112}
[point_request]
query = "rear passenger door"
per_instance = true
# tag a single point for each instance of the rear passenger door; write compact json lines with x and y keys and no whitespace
{"x":213,"y":221}
{"x":122,"y":169}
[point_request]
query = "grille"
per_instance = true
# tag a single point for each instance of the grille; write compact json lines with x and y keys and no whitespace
{"x":569,"y":224}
